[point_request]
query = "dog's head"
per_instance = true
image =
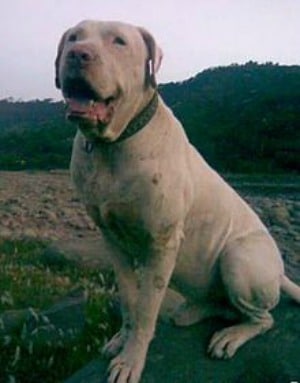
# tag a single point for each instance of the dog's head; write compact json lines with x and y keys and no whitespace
{"x":106,"y":72}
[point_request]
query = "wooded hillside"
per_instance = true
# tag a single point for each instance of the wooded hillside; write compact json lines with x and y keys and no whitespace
{"x":242,"y":118}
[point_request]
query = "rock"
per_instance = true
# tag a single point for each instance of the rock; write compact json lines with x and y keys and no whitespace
{"x":94,"y":372}
{"x":277,"y":214}
{"x":30,"y":233}
{"x":47,"y":197}
{"x":178,"y":355}
{"x":281,"y":215}
{"x":13,"y":320}
{"x":60,"y":324}
{"x":88,"y":252}
{"x":5,"y":233}
{"x":51,"y":215}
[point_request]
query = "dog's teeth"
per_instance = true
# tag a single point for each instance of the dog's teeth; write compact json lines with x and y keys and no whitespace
{"x":92,"y":102}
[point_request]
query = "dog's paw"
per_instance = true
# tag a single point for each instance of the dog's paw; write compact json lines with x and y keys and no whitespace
{"x":225,"y":343}
{"x":114,"y":345}
{"x":127,"y":367}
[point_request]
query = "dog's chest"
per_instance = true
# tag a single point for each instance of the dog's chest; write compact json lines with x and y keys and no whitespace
{"x":123,"y":224}
{"x":116,"y":201}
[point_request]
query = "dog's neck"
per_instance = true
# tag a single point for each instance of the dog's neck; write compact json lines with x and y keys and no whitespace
{"x":134,"y":126}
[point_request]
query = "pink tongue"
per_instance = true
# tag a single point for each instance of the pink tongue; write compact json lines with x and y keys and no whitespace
{"x":97,"y":111}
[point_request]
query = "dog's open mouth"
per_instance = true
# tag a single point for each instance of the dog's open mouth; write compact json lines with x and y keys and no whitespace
{"x":84,"y":103}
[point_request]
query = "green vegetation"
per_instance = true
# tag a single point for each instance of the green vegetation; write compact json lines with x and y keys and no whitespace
{"x":242,"y":118}
{"x":46,"y":147}
{"x":27,"y":282}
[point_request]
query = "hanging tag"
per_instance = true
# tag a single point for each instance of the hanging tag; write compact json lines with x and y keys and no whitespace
{"x":89,"y":146}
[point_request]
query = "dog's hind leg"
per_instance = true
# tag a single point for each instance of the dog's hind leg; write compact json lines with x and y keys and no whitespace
{"x":251,"y":269}
{"x":189,"y":313}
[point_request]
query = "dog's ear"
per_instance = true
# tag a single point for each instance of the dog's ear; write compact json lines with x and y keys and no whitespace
{"x":58,"y":56}
{"x":154,"y":59}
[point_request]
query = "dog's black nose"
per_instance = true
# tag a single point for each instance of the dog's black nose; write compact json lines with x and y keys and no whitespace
{"x":81,"y":55}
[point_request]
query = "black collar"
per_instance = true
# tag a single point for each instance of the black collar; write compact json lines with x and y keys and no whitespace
{"x":134,"y":126}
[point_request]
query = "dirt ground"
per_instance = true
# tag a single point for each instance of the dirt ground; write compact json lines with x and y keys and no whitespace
{"x":43,"y":205}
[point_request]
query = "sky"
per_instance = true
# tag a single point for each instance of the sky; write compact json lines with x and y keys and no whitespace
{"x":193,"y":34}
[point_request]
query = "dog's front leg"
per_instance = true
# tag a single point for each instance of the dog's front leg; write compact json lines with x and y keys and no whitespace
{"x":128,"y":365}
{"x":127,"y":283}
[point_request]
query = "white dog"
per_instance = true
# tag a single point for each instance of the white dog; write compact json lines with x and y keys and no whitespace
{"x":158,"y":204}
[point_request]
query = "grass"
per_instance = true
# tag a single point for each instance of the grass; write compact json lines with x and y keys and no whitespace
{"x":27,"y":282}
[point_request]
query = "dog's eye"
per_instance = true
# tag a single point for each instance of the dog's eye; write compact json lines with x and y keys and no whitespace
{"x":72,"y":37}
{"x":119,"y":41}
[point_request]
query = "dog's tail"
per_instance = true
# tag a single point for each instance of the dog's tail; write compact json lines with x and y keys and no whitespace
{"x":290,"y":288}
